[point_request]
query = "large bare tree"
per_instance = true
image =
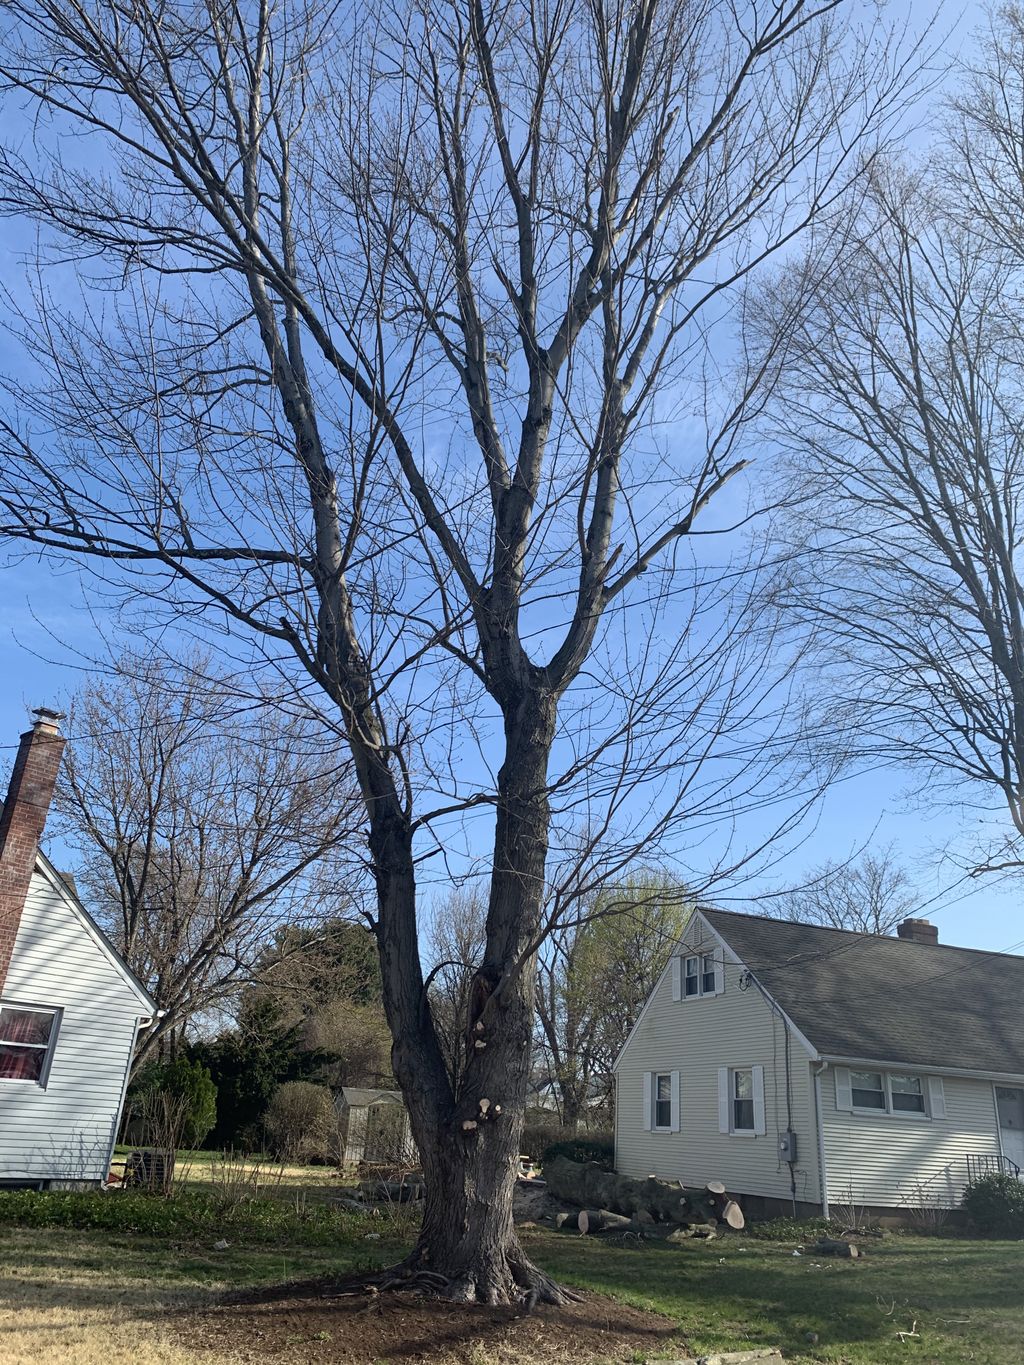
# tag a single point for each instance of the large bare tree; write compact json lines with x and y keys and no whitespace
{"x":869,"y":895}
{"x":596,"y":971}
{"x":407,"y":307}
{"x":202,"y":826}
{"x":899,"y":403}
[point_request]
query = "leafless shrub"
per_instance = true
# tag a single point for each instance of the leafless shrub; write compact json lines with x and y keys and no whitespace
{"x":236,"y":1178}
{"x":163,"y":1117}
{"x":300,"y":1121}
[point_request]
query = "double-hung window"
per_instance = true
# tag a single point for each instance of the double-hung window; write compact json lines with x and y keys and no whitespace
{"x":691,"y":984}
{"x":701,"y":975}
{"x":741,"y":1108}
{"x":26,"y":1042}
{"x":661,"y":1101}
{"x":906,"y":1094}
{"x":868,"y":1089}
{"x":743,"y":1100}
{"x":889,"y":1092}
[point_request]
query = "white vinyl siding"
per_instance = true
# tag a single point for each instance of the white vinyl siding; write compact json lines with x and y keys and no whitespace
{"x":64,"y":1131}
{"x":894,"y":1160}
{"x":735,"y":1028}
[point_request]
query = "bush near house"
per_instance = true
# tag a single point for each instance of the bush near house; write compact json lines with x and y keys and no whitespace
{"x":182,"y":1087}
{"x":995,"y":1205}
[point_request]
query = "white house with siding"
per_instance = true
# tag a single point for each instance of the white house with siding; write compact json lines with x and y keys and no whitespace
{"x":815,"y":1067}
{"x":70,"y":1009}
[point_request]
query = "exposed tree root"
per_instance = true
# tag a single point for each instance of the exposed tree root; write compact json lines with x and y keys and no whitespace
{"x":520,"y":1284}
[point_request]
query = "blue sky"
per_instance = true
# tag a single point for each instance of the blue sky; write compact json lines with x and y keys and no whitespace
{"x":48,"y":635}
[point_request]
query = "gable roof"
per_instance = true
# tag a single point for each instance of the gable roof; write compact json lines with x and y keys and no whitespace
{"x":64,"y":884}
{"x":360,"y":1097}
{"x":862,"y":996}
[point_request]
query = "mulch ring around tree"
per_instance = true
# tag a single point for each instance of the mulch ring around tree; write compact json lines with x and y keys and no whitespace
{"x":297,"y":1323}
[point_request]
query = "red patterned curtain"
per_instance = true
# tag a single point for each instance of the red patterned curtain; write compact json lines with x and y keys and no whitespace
{"x":19,"y":1062}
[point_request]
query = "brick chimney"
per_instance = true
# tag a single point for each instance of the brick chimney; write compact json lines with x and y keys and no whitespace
{"x":918,"y":931}
{"x":25,"y":809}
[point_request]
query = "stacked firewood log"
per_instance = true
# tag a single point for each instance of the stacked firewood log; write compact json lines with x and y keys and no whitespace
{"x":613,"y":1203}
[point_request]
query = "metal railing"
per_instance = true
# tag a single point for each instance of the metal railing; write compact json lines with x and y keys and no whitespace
{"x":982,"y":1164}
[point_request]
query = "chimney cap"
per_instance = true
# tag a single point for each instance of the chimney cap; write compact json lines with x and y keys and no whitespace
{"x":47,"y":718}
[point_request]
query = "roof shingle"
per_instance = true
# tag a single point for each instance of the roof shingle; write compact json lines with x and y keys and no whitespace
{"x":889,"y":999}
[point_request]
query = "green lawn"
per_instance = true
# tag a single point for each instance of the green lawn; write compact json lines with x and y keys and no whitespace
{"x":966,"y":1297}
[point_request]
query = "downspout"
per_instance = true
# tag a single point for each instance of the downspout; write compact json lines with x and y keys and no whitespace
{"x":821,"y":1138}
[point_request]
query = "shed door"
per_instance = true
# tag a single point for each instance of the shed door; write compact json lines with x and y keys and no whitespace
{"x":1010,"y":1103}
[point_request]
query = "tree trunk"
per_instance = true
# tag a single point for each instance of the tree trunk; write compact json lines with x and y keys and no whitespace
{"x":469,"y":1144}
{"x":468,"y":1236}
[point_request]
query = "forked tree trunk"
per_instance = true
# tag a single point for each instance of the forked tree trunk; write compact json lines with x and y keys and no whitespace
{"x":468,"y":1235}
{"x":469,"y":1143}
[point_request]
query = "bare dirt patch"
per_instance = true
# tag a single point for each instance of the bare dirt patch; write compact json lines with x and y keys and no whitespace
{"x":299,"y":1324}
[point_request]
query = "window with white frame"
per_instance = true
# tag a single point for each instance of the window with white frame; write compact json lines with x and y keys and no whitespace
{"x":906,"y":1094}
{"x":26,"y":1042}
{"x":741,"y":1108}
{"x":868,"y":1089}
{"x":701,"y":974}
{"x":889,"y":1092}
{"x":743,"y":1100}
{"x":663,"y":1100}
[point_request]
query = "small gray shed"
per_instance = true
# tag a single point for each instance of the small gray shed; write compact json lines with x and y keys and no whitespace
{"x":373,"y":1127}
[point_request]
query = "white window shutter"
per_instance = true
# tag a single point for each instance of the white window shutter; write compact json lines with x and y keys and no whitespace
{"x":844,"y":1091}
{"x":675,"y":1102}
{"x":757,"y":1075}
{"x":723,"y":1099}
{"x":719,"y":971}
{"x":936,"y":1097}
{"x":647,"y":1101}
{"x":677,"y":977}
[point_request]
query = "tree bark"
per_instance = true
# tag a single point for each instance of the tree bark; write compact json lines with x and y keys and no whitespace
{"x":469,"y":1141}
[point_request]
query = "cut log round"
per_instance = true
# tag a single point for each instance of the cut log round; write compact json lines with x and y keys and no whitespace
{"x":715,"y":1187}
{"x":733,"y":1215}
{"x":828,"y":1246}
{"x":562,"y":1218}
